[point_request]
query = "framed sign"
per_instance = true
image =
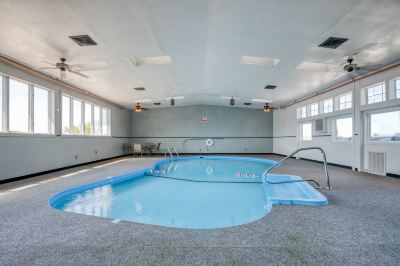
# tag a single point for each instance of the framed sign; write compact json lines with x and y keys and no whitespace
{"x":203,"y":119}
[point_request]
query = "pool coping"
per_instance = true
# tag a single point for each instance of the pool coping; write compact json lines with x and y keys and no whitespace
{"x":304,"y":186}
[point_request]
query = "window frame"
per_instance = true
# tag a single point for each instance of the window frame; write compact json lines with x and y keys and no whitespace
{"x":5,"y":112}
{"x":316,"y":109}
{"x":332,"y":105}
{"x":345,"y":102}
{"x":397,"y":88}
{"x":334,"y":129}
{"x":83,"y":120}
{"x":302,"y":131}
{"x":383,"y":93}
{"x":368,"y":129}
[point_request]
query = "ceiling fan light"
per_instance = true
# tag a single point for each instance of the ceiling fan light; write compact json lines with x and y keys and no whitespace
{"x":138,"y":108}
{"x":232,"y":101}
{"x":267,"y":109}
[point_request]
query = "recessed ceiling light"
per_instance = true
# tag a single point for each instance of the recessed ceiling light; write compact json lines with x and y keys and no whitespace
{"x":139,"y":88}
{"x":154,"y":60}
{"x":262,"y":100}
{"x":319,"y":67}
{"x":262,"y":61}
{"x":270,"y":87}
{"x":247,"y":103}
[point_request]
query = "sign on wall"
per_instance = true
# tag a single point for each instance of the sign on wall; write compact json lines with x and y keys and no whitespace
{"x":203,"y":119}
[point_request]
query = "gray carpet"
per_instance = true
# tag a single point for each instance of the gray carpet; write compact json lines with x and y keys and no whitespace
{"x":360,"y":226}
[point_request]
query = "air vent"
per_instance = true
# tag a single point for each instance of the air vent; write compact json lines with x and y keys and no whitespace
{"x":270,"y":87}
{"x":320,"y":125}
{"x":140,"y":88}
{"x":377,"y":163}
{"x":333,"y":42}
{"x":157,"y":103}
{"x":83,"y":40}
{"x":247,"y":103}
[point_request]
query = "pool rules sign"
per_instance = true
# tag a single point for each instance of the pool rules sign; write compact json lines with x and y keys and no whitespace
{"x":203,"y":119}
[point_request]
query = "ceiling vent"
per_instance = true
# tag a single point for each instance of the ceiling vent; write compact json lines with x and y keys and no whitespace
{"x":158,"y":103}
{"x":333,"y":42}
{"x":139,"y":88}
{"x":270,"y":87}
{"x":83,"y":40}
{"x":247,"y":103}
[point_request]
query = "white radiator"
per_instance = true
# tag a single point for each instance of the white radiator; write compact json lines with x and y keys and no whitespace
{"x":377,"y":162}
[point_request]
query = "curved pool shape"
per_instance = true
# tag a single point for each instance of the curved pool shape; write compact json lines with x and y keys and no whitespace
{"x":191,"y":192}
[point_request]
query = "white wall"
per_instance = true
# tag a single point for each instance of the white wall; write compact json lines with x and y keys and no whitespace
{"x":24,"y":154}
{"x":234,"y":130}
{"x":287,"y":137}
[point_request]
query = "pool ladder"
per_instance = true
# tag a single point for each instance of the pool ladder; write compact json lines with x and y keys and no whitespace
{"x":318,"y":186}
{"x":171,"y":152}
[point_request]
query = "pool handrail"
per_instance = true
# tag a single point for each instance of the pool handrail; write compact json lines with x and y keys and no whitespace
{"x":328,"y":182}
{"x":170,"y":151}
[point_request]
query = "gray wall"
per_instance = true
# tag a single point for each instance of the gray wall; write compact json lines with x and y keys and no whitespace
{"x":234,"y":130}
{"x":27,"y":154}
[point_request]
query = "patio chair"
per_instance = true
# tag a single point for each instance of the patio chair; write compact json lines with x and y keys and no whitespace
{"x":136,"y":149}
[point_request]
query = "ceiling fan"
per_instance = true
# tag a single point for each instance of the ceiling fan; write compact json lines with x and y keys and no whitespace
{"x":349,"y":66}
{"x":173,"y":98}
{"x":74,"y":68}
{"x":232,"y":99}
{"x":267,"y":108}
{"x":139,"y":108}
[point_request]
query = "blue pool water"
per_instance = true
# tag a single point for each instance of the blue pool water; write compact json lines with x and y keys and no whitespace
{"x":193,"y":192}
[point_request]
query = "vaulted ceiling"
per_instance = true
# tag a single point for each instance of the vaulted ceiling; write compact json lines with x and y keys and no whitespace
{"x":205,"y":39}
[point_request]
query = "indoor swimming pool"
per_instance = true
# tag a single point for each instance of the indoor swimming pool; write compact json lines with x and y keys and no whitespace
{"x":201,"y":192}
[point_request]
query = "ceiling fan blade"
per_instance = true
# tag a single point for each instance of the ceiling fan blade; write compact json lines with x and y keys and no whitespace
{"x":176,"y":98}
{"x":44,"y":68}
{"x":312,"y":66}
{"x":230,"y":97}
{"x":92,"y":66}
{"x":48,"y":63}
{"x":78,"y":73}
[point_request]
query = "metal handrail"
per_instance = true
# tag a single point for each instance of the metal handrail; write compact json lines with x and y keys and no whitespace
{"x":173,"y":149}
{"x":170,"y":151}
{"x":328,"y":182}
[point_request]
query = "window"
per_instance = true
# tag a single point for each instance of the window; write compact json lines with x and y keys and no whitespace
{"x":376,"y":94}
{"x":66,"y":115}
{"x":345,"y":101}
{"x":84,"y":118}
{"x":385,"y":126}
{"x":397,"y":86}
{"x":1,"y":103}
{"x":314,"y":109}
{"x":105,"y":122}
{"x":328,"y":106}
{"x":344,"y":129}
{"x":303,"y":112}
{"x":97,"y":120}
{"x":76,"y":117}
{"x":307,"y":131}
{"x":18,"y":106}
{"x":41,"y":110}
{"x":88,"y":119}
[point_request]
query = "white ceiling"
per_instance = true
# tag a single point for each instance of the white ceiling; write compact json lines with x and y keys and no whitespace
{"x":205,"y":39}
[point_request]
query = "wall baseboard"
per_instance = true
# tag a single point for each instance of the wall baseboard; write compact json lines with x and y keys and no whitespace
{"x":18,"y":178}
